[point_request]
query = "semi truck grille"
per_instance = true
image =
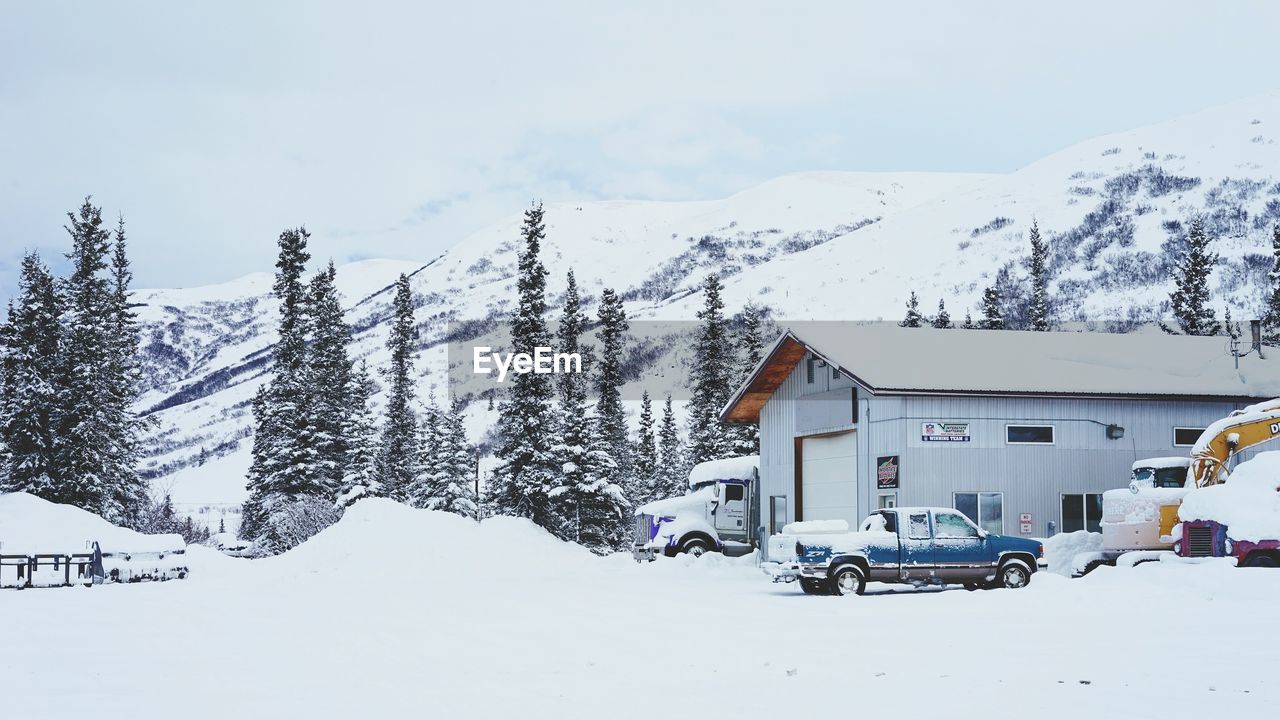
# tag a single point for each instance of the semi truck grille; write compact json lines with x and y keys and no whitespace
{"x":1200,"y":541}
{"x":642,"y":529}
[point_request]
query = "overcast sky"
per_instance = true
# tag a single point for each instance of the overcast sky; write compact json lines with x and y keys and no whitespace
{"x":394,"y":129}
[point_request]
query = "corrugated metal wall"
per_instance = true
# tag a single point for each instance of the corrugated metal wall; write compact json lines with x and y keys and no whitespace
{"x":1032,"y":478}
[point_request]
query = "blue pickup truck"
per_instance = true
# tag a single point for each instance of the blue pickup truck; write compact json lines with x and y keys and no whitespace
{"x":911,"y":545}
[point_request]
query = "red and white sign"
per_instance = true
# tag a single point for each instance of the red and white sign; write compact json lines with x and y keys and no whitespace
{"x":1025,"y":518}
{"x":1026,"y":528}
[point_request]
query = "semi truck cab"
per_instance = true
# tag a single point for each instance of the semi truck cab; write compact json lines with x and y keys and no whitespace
{"x":719,"y":513}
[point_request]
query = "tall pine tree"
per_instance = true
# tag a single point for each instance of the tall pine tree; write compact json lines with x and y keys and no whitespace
{"x":608,"y":382}
{"x":526,"y":469}
{"x":1039,"y":309}
{"x":361,"y":434}
{"x":30,"y":400}
{"x":673,"y":459}
{"x":329,"y":382}
{"x":453,"y":466}
{"x":124,"y":377}
{"x":745,"y":438}
{"x":399,"y":455}
{"x":713,"y":363}
{"x":913,"y":318}
{"x":645,"y":454}
{"x":992,"y":318}
{"x":1190,"y":299}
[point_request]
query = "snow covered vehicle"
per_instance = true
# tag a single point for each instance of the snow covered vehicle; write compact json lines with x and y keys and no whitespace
{"x":911,"y":545}
{"x":1239,"y":519}
{"x":716,"y":516}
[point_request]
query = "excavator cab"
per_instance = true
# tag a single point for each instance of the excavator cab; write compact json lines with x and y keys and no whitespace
{"x":1174,"y":476}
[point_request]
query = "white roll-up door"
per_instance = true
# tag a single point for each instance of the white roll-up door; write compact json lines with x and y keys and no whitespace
{"x":829,"y":478}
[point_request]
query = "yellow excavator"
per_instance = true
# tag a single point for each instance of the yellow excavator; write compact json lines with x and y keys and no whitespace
{"x":1138,"y":522}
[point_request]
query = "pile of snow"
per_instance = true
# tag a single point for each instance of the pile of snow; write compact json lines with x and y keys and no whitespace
{"x":738,"y":468}
{"x":30,"y":525}
{"x":815,"y":527}
{"x":1248,"y":503}
{"x":1060,"y":549}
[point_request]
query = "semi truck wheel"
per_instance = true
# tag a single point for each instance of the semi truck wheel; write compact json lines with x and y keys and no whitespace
{"x":1261,"y":560}
{"x":848,"y":580}
{"x":1013,"y":574}
{"x":696,"y":547}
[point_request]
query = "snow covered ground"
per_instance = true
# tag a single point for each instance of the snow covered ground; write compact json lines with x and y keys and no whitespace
{"x":397,"y":612}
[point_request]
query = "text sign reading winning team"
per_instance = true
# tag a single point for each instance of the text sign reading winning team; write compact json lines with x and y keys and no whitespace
{"x":944,"y":432}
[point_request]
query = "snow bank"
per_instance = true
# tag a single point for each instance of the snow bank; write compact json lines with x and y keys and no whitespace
{"x":1248,"y":503}
{"x":30,"y":525}
{"x":815,"y":527}
{"x":739,"y":468}
{"x":1060,"y":549}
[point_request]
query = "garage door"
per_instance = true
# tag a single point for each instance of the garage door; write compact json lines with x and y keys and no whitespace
{"x":829,"y":478}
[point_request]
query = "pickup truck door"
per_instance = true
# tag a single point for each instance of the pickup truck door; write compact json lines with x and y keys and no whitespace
{"x":959,"y":552}
{"x":915,"y":545}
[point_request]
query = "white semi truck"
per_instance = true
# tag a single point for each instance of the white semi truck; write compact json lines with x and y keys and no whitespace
{"x":720,"y":513}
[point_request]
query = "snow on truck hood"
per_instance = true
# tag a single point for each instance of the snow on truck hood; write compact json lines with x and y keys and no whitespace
{"x":30,"y":525}
{"x":670,"y":507}
{"x":1248,"y":503}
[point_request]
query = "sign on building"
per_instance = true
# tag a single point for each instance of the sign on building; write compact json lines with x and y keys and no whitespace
{"x":944,"y":431}
{"x":1024,"y":523}
{"x":887,"y":472}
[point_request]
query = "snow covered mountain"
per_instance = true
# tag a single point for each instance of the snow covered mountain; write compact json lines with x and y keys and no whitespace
{"x":808,"y":246}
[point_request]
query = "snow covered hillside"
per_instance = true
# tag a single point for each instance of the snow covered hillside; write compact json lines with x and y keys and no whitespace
{"x":376,"y":617}
{"x":823,"y":245}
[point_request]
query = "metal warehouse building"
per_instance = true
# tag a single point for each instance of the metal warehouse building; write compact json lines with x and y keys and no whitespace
{"x":1022,"y":431}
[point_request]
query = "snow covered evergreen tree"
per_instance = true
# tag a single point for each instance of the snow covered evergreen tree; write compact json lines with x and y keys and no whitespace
{"x":608,"y":381}
{"x":1039,"y":309}
{"x":282,"y":471}
{"x":968,"y":321}
{"x":124,"y":375}
{"x":714,"y":363}
{"x":1190,"y":299}
{"x":646,"y":453}
{"x":362,"y":438}
{"x":527,"y":469}
{"x":673,"y":460}
{"x":913,"y":317}
{"x":942,"y":320}
{"x":30,"y":399}
{"x":329,"y":382}
{"x":450,"y":481}
{"x":1271,"y":318}
{"x":992,"y":319}
{"x":745,"y":438}
{"x":400,"y":452}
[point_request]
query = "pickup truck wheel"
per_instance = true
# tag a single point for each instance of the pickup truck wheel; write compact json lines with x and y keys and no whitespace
{"x":1013,"y":574}
{"x":848,"y":580}
{"x":813,"y":586}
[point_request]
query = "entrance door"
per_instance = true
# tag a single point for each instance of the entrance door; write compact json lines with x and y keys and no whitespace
{"x":829,"y":478}
{"x":731,"y":511}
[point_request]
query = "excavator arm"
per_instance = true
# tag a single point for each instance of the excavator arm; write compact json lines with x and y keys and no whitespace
{"x":1241,"y":429}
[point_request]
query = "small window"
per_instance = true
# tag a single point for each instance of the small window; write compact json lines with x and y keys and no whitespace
{"x":808,"y":370}
{"x":1186,"y":436}
{"x":918,"y":526}
{"x":952,"y":525}
{"x":734,"y":493}
{"x":1029,"y":434}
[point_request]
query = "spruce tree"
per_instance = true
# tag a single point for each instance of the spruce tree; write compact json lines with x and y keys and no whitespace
{"x":991,"y":315}
{"x":453,"y":467}
{"x":30,"y":400}
{"x":400,"y":450}
{"x":124,"y":376}
{"x":713,"y":360}
{"x":1039,"y":309}
{"x":1271,"y":318}
{"x":526,"y":469}
{"x":86,"y":436}
{"x":913,"y":317}
{"x":361,"y":434}
{"x":281,"y":471}
{"x":673,"y":465}
{"x":1190,"y":299}
{"x":608,"y":382}
{"x":745,"y":438}
{"x":968,"y":321}
{"x":646,"y":453}
{"x":942,"y":320}
{"x":329,"y":382}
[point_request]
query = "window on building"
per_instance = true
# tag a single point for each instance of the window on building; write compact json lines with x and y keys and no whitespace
{"x":808,"y":370}
{"x":952,"y":525}
{"x":1186,"y":436}
{"x":1081,"y":511}
{"x":918,"y":526}
{"x":1029,"y":434}
{"x":985,"y":509}
{"x":777,"y":513}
